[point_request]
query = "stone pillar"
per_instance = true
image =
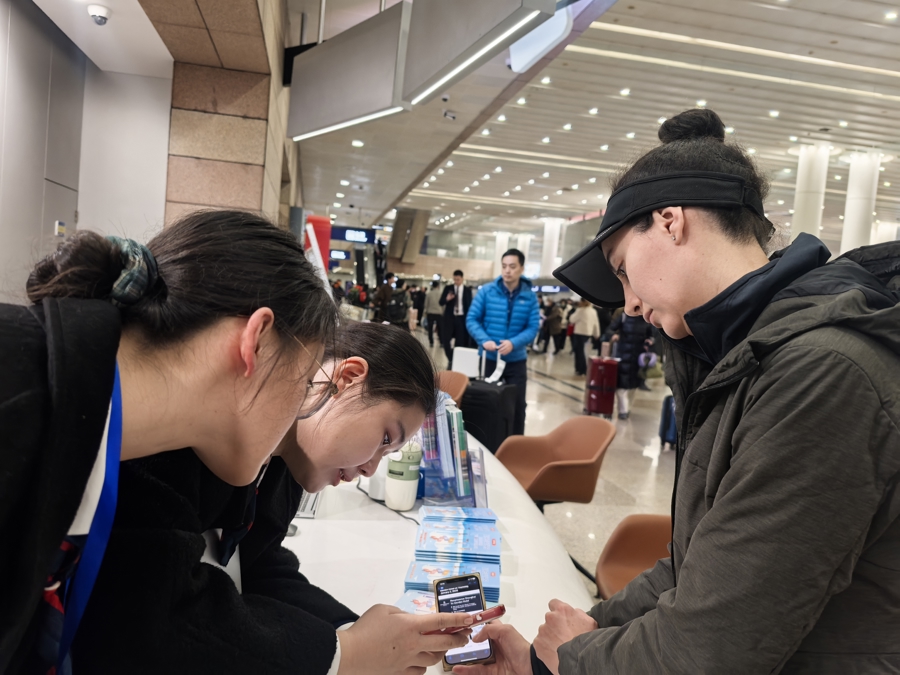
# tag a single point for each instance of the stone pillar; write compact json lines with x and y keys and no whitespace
{"x":812,"y":172}
{"x":549,"y":253}
{"x":501,"y":246}
{"x":227,"y":142}
{"x":862,"y":186}
{"x":523,"y":243}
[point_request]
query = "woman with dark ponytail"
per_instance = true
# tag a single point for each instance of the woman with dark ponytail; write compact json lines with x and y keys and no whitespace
{"x":207,"y":338}
{"x":785,"y":553}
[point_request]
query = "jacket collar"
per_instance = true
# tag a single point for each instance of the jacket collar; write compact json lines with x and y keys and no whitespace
{"x":524,"y":284}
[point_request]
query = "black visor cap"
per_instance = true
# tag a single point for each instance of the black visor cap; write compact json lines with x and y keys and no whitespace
{"x":588,"y":273}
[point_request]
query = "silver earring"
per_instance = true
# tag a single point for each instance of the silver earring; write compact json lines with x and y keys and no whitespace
{"x":673,"y":238}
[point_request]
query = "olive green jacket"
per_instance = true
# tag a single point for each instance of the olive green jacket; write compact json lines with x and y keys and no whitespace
{"x":786,"y":543}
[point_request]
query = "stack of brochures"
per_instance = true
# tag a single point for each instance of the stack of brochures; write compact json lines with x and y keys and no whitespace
{"x":458,"y":542}
{"x":421,"y":576}
{"x":453,"y":474}
{"x":458,"y":513}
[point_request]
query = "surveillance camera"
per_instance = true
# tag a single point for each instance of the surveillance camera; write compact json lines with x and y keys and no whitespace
{"x":445,"y":98}
{"x":99,"y":14}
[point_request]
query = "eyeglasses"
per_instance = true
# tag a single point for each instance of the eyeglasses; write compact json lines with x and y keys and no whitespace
{"x":318,"y":392}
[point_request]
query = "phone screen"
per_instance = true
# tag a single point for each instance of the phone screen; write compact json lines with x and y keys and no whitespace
{"x":463,"y":594}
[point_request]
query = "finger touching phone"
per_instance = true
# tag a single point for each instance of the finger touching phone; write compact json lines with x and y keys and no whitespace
{"x":478,"y":618}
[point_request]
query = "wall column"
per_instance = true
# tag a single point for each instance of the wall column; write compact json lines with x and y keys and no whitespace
{"x":812,"y":172}
{"x":523,"y":243}
{"x":552,"y":228}
{"x":862,"y":186}
{"x":501,"y":246}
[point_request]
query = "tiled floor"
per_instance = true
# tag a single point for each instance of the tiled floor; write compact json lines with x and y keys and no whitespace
{"x":635,"y":477}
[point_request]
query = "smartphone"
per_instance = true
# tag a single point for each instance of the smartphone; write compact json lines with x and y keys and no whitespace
{"x":464,"y":594}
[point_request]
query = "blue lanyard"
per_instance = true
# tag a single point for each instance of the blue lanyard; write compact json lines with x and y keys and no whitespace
{"x":101,"y":526}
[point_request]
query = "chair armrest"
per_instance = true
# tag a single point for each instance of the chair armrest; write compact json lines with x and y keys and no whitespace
{"x":524,"y":448}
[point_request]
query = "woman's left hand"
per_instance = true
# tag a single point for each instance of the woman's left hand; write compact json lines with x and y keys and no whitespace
{"x":561,"y":624}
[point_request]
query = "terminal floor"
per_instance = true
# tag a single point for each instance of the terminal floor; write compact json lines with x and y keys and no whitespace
{"x":636,"y":477}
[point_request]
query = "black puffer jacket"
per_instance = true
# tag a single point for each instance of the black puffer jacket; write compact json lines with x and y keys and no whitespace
{"x":632,"y":331}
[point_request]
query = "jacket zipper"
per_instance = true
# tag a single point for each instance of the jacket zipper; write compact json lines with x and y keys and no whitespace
{"x":681,"y":446}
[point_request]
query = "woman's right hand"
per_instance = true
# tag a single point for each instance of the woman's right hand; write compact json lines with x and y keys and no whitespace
{"x":386,"y":641}
{"x":512,"y":651}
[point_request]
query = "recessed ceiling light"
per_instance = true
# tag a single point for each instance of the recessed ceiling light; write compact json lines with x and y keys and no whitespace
{"x":786,"y":170}
{"x":629,"y":135}
{"x":521,"y":100}
{"x":660,"y":120}
{"x":466,"y":189}
{"x":567,"y":127}
{"x":517,"y":188}
{"x":502,"y":118}
{"x":604,"y":148}
{"x":453,"y":215}
{"x":545,"y":80}
{"x":575,"y":186}
{"x":843,"y":123}
{"x":449,"y":163}
{"x":440,"y":172}
{"x":841,"y":217}
{"x":593,"y":111}
{"x":886,"y":184}
{"x":751,"y":151}
{"x":485,"y":132}
{"x":881,"y":168}
{"x":357,"y":144}
{"x":701,"y":103}
{"x":506,"y":194}
{"x":336,"y":205}
{"x":890,"y":16}
{"x":780,"y":202}
{"x":545,"y":139}
{"x":837,"y":177}
{"x":531,"y":181}
{"x":792,"y":139}
{"x":426,"y":184}
{"x":874,"y":213}
{"x":599,"y":196}
{"x":774,"y":113}
{"x":592,"y":180}
{"x":791,"y":211}
{"x":339,"y":195}
{"x":729,"y":130}
{"x":333,"y":216}
{"x":433,"y":178}
{"x":477,"y":207}
{"x":345,"y":183}
{"x":559,"y":192}
{"x":486,"y":176}
{"x":584,"y":201}
{"x":475,"y":183}
{"x":498,"y":169}
{"x":546,"y":174}
{"x":545,"y":197}
{"x":625,"y":92}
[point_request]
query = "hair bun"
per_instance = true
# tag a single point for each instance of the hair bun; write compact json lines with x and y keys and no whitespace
{"x":692,"y":124}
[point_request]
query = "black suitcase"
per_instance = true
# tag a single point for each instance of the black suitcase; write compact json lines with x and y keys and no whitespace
{"x":489,"y":411}
{"x":668,"y":431}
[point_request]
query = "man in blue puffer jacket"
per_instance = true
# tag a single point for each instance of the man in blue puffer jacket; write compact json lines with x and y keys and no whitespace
{"x":504,"y":319}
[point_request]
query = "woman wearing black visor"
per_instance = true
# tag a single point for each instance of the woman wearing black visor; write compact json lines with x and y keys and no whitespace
{"x":786,"y":374}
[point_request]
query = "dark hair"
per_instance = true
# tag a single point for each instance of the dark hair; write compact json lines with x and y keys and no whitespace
{"x":516,"y":252}
{"x":435,"y":283}
{"x":389,"y":275}
{"x":458,"y":273}
{"x":695,"y":140}
{"x":212,"y":264}
{"x":399,"y":367}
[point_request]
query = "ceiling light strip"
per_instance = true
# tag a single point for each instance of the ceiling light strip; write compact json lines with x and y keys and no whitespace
{"x":521,"y":160}
{"x":842,"y":193}
{"x":729,"y":72}
{"x":728,"y":46}
{"x":497,"y":201}
{"x":350,"y":123}
{"x":529,"y":153}
{"x":477,"y":55}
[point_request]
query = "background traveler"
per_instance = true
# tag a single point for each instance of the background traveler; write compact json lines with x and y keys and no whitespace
{"x":456,"y":301}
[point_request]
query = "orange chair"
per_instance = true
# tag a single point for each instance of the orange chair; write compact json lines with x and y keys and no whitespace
{"x":634,"y":546}
{"x":453,"y":383}
{"x":563,"y":465}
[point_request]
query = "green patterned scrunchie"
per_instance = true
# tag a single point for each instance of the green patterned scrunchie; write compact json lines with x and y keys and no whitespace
{"x":139,"y":272}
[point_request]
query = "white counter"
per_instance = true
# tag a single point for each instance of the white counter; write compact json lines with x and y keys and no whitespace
{"x":359,"y":551}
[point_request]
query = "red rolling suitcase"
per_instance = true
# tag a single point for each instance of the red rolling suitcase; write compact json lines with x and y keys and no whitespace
{"x":600,"y":386}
